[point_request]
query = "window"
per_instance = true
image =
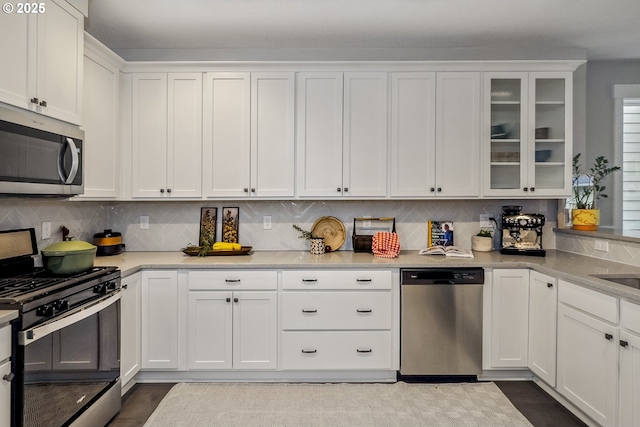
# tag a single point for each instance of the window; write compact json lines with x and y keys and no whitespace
{"x":631,"y":164}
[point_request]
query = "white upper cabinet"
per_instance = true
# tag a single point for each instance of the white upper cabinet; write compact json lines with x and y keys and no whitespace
{"x":102,"y":156}
{"x":528,"y":134}
{"x":342,"y":134}
{"x":435,"y":134}
{"x":166,"y":135}
{"x":45,"y":69}
{"x":248,"y":136}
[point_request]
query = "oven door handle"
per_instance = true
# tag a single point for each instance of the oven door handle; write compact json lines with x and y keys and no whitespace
{"x":74,"y":316}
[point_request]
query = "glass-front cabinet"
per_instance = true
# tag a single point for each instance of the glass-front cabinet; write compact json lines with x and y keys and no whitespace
{"x":528,"y":134}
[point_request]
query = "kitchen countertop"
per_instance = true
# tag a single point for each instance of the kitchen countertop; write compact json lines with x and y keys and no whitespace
{"x":7,"y":315}
{"x":572,"y":267}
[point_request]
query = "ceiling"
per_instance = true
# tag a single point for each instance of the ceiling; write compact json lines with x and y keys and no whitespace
{"x":364,"y":29}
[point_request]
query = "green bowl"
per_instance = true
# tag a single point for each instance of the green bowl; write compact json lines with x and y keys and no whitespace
{"x":69,"y":257}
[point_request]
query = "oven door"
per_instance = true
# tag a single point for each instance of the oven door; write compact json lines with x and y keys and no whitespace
{"x":68,"y":363}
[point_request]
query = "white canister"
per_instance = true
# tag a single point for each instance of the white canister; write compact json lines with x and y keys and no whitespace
{"x":316,"y":245}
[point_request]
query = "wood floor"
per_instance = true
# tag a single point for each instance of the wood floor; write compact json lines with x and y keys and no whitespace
{"x":539,"y":408}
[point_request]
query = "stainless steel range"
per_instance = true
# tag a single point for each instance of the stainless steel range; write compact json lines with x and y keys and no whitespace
{"x":65,"y":342}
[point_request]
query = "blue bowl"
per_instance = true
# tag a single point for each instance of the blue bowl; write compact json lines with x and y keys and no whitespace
{"x":543,"y":155}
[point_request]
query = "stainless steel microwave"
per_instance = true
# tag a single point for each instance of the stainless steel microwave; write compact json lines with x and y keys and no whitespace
{"x":39,"y":156}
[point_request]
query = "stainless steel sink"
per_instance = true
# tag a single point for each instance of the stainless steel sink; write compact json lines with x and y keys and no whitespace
{"x":632,"y":281}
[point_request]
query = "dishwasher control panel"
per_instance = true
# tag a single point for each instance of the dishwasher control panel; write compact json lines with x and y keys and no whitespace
{"x":443,"y":276}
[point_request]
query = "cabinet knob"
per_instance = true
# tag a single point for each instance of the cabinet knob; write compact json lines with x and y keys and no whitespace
{"x":532,"y":189}
{"x":432,"y":189}
{"x":246,"y":190}
{"x":168,"y":190}
{"x":162,"y":190}
{"x":34,"y":100}
{"x":549,"y":285}
{"x":235,"y":300}
{"x":253,"y":190}
{"x":439,"y":189}
{"x":525,"y":189}
{"x":624,"y":343}
{"x":228,"y":299}
{"x":125,"y":286}
{"x":339,"y":189}
{"x":346,"y":189}
{"x":608,"y":336}
{"x":43,"y":103}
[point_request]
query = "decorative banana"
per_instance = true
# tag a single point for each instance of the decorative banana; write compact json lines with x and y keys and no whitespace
{"x":224,"y":246}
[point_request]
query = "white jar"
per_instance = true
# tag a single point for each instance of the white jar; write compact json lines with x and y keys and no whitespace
{"x":316,"y":245}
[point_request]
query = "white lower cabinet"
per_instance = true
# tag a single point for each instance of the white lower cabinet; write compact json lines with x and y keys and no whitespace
{"x":232,"y":320}
{"x":159,"y":319}
{"x":130,"y":328}
{"x":629,"y":364}
{"x":543,"y":308}
{"x":506,"y":336}
{"x":588,"y":351}
{"x":338,"y":320}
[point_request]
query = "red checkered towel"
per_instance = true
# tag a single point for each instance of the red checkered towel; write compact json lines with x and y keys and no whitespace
{"x":385,"y":244}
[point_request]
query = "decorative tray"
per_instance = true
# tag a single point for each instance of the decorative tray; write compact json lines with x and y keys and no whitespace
{"x":332,"y":229}
{"x":195,"y":251}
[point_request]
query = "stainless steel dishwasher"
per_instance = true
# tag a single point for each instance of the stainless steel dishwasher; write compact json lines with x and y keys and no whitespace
{"x":441,"y":322}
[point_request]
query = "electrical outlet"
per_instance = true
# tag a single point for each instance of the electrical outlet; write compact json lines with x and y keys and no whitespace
{"x":484,"y":221}
{"x":543,"y":205}
{"x":266,"y":222}
{"x":144,"y":222}
{"x":601,"y":245}
{"x":45,"y":231}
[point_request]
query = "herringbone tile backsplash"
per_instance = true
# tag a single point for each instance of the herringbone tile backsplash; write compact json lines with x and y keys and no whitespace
{"x":173,"y":225}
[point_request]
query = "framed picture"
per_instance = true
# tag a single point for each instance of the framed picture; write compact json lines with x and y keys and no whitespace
{"x":230,"y":223}
{"x":208,"y":220}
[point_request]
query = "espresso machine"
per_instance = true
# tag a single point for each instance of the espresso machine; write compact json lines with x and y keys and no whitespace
{"x":521,"y":232}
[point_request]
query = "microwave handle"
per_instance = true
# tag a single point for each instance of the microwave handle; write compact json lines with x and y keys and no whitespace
{"x":75,"y":162}
{"x":31,"y":335}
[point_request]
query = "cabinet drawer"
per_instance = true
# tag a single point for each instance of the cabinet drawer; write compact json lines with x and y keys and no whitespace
{"x":5,"y":342}
{"x":347,"y":279}
{"x":336,"y":310}
{"x":592,"y":302}
{"x":336,"y":350}
{"x":630,"y":316}
{"x":232,"y":280}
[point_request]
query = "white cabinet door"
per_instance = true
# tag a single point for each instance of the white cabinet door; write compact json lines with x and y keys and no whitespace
{"x":45,"y":72}
{"x":210,"y":330}
{"x":184,"y":135}
{"x":226,"y":135}
{"x":159,"y":319}
{"x":5,"y":395}
{"x":130,"y":328}
{"x":629,"y":379}
{"x":588,"y":364}
{"x":101,"y":124}
{"x":149,"y":135}
{"x":255,"y":328}
{"x":528,"y":134}
{"x":60,"y":61}
{"x":232,"y":330}
{"x":364,"y":144}
{"x":272,"y":134}
{"x":543,"y":308}
{"x":319,"y":134}
{"x":18,"y":41}
{"x":413,"y":134}
{"x":509,"y":318}
{"x":458,"y":143}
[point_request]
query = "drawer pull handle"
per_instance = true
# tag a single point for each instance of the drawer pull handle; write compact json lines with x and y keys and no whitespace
{"x":9,"y":377}
{"x":309,"y":280}
{"x":608,"y":336}
{"x":309,"y":351}
{"x":232,"y":280}
{"x":368,"y":310}
{"x":309,"y":311}
{"x":364,"y":350}
{"x":624,"y":343}
{"x":364,"y":280}
{"x":549,"y":285}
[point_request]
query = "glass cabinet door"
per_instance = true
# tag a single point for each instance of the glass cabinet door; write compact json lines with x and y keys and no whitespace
{"x":528,"y":129}
{"x":552,"y":143}
{"x":507,"y":135}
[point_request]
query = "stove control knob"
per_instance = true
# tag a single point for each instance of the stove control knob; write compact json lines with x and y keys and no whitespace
{"x":61,"y":305}
{"x":100,"y":288}
{"x":111,"y":286}
{"x":44,"y":310}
